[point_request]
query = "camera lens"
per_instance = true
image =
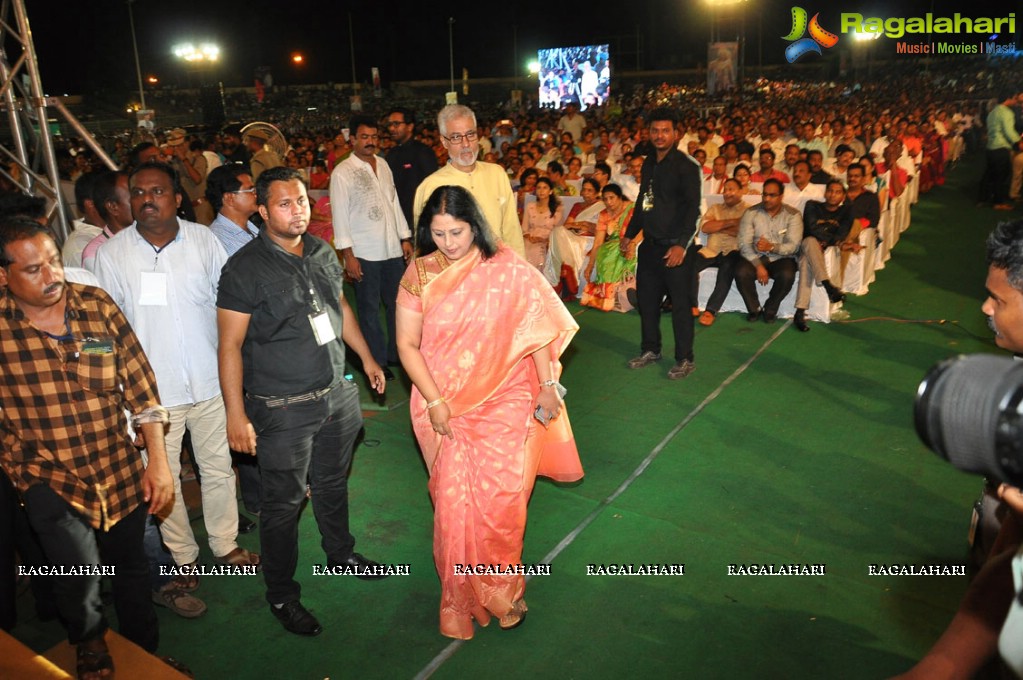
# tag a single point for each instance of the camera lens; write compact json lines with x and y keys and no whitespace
{"x":968,"y":411}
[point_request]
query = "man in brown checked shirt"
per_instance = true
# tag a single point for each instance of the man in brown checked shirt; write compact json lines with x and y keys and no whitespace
{"x":72,"y":366}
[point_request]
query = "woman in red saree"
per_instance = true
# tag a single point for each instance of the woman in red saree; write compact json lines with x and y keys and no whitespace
{"x":479,"y":332}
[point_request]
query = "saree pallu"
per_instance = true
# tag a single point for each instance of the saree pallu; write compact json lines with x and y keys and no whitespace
{"x":609,"y":265}
{"x":482,"y":321}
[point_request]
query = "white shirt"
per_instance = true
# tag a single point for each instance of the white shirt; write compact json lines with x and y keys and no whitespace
{"x":628,"y":185}
{"x":797,"y":199}
{"x":83,"y":232}
{"x":367,"y":216}
{"x":174,"y":315}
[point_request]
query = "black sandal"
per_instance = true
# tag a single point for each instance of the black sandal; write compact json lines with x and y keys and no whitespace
{"x":94,"y":662}
{"x":178,"y":666}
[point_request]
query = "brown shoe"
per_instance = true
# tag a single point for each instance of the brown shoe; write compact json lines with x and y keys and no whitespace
{"x":707,"y":318}
{"x":178,"y":601}
{"x":696,"y":311}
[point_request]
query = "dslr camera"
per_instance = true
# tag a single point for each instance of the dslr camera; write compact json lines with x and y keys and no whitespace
{"x":969,"y":411}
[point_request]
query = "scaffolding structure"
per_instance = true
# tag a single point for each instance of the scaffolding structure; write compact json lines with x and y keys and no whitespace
{"x":27,"y":155}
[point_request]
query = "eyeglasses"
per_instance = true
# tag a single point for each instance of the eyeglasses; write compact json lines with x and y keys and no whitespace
{"x":767,"y":195}
{"x":395,"y":123}
{"x":470,"y":136}
{"x":251,"y":190}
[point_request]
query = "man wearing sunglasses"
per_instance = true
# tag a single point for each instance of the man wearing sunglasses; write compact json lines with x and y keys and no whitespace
{"x":487,"y":182}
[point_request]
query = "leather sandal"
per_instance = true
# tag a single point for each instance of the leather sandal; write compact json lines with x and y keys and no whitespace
{"x":189,"y":582}
{"x":515,"y":617}
{"x":239,"y":557}
{"x":93,"y":660}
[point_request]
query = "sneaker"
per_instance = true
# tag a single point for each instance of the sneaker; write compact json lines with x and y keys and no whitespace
{"x":644,"y":359}
{"x":681,"y":369}
{"x":296,"y":619}
{"x":707,"y":318}
{"x":178,"y":601}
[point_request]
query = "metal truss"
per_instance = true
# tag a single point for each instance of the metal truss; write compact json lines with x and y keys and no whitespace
{"x":28,"y":143}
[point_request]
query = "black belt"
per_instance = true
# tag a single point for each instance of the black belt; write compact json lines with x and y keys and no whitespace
{"x":279,"y":402}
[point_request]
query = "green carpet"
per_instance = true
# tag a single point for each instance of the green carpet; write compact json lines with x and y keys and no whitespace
{"x":808,"y":456}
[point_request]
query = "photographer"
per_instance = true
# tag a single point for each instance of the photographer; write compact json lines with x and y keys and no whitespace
{"x":971,"y":641}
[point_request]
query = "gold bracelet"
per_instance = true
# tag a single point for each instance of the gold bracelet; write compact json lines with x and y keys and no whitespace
{"x":436,"y":402}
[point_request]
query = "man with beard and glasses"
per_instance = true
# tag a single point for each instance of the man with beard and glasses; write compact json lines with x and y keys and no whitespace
{"x":487,"y":182}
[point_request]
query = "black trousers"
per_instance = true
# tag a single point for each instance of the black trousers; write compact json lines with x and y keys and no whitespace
{"x":782,"y":271}
{"x":68,"y":539}
{"x":994,"y":185}
{"x":726,"y":274}
{"x":17,"y":540}
{"x":313,"y":439}
{"x":653,"y":281}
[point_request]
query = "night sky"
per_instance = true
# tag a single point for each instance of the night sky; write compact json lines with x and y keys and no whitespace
{"x":87,"y":45}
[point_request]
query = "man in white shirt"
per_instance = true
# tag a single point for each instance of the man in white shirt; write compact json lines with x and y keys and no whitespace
{"x":371,"y":232}
{"x":85,"y":229}
{"x":163,"y":273}
{"x":801,"y":189}
{"x":572,"y":122}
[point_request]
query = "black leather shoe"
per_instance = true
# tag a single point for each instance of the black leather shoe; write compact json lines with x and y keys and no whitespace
{"x":296,"y":619}
{"x":799,"y":321}
{"x":834,"y":294}
{"x":245,"y":525}
{"x":361,"y":567}
{"x":769,"y":317}
{"x":388,"y":374}
{"x":753,"y":316}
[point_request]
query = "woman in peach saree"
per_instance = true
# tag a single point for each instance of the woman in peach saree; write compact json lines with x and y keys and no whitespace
{"x":479,"y":332}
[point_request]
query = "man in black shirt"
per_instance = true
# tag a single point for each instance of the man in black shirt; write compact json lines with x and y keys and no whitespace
{"x":825,"y":223}
{"x":282,"y":318}
{"x":667,"y":210}
{"x":410,"y":160}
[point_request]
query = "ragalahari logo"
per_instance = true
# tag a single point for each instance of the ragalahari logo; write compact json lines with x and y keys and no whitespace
{"x":818,"y":36}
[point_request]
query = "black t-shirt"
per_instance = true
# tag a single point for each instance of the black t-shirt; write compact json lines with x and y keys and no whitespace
{"x":675,"y":183}
{"x":830,"y":228}
{"x":280,"y":354}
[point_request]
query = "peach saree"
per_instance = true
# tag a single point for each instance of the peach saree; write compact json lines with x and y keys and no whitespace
{"x":482,"y":320}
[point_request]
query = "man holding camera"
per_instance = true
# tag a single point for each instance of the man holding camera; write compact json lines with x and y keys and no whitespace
{"x":990,"y":618}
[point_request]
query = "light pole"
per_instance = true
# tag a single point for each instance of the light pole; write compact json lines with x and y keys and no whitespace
{"x":451,"y":49}
{"x":135,"y":48}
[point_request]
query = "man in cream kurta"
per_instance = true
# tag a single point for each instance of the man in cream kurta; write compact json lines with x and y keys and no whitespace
{"x":487,"y":182}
